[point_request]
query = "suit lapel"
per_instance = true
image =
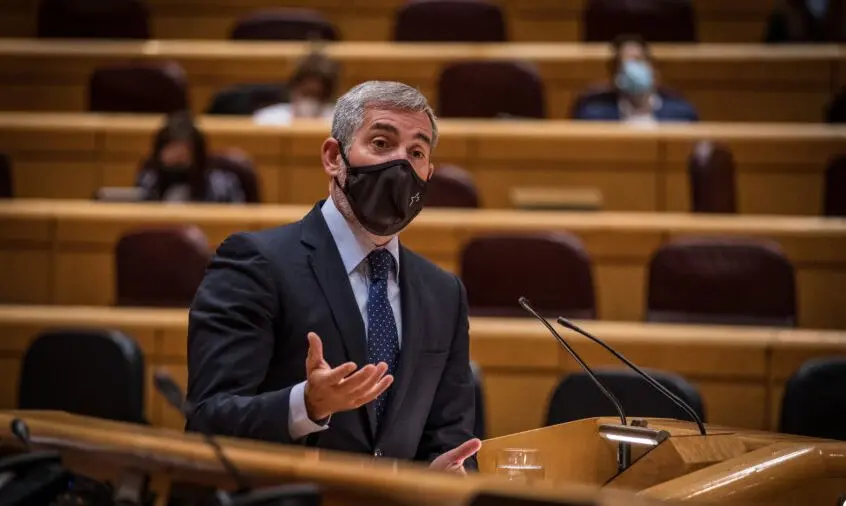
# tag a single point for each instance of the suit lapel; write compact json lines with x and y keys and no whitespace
{"x":328,"y":269}
{"x":413,"y":331}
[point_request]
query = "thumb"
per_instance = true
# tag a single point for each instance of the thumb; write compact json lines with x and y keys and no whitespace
{"x":314,"y":359}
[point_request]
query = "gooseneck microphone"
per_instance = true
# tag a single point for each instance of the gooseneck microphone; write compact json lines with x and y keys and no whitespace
{"x":172,"y":393}
{"x":292,"y":494}
{"x":649,"y":379}
{"x":524,"y":303}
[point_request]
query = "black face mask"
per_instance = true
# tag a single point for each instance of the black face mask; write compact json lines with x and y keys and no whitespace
{"x":384,"y":197}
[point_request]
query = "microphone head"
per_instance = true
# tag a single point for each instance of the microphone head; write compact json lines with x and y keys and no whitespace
{"x":567,"y":323}
{"x":172,"y":393}
{"x":21,"y":431}
{"x":524,"y":302}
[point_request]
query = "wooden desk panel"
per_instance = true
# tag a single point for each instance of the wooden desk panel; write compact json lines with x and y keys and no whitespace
{"x":756,"y":83}
{"x":83,"y":235}
{"x":779,"y":167}
{"x":526,"y":20}
{"x":521,"y":364}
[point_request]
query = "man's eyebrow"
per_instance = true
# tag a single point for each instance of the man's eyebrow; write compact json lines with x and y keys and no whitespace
{"x":387,"y":127}
{"x":423,"y":137}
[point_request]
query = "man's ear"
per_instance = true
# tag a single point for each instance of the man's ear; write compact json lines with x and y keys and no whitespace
{"x":330,"y":155}
{"x":431,"y":171}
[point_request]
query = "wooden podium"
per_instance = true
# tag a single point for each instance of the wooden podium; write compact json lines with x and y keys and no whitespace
{"x":727,"y":466}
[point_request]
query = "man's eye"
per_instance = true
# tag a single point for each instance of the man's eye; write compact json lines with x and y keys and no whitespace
{"x":418,"y":154}
{"x":380,"y":143}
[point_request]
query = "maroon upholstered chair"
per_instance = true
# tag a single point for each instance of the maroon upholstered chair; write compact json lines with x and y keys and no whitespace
{"x":834,"y":194}
{"x":149,"y":87}
{"x":552,"y":270}
{"x":160,"y":266}
{"x":450,"y":21}
{"x":728,"y":281}
{"x":490,"y":89}
{"x":6,"y":186}
{"x":284,"y":24}
{"x":654,"y":20}
{"x":93,"y":19}
{"x":239,"y":163}
{"x":835,"y":111}
{"x":451,"y":186}
{"x":712,"y":182}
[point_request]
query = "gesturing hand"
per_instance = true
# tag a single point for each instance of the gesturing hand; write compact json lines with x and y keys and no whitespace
{"x":329,"y":390}
{"x":453,"y":460}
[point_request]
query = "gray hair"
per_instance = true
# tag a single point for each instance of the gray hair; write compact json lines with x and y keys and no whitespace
{"x":351,"y":107}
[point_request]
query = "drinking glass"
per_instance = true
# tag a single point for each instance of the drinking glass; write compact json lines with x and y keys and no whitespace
{"x":522,"y":465}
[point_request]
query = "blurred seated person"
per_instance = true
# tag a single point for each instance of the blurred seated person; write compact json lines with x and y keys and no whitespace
{"x":634,"y":97}
{"x":311,"y":89}
{"x":807,"y":21}
{"x":178,"y":170}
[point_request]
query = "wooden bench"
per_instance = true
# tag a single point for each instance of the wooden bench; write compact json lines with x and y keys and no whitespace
{"x":725,"y":82}
{"x":526,"y":20}
{"x":779,"y":167}
{"x":62,"y":252}
{"x":740,"y":372}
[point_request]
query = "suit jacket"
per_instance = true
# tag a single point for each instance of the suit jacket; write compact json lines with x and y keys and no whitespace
{"x":605,"y":106}
{"x":264,"y":291}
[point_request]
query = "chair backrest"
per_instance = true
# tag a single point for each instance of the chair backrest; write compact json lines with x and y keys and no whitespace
{"x":284,"y":24}
{"x":814,"y":401}
{"x":712,"y":181}
{"x":552,"y":270}
{"x":730,"y":281}
{"x":836,"y":110}
{"x":147,"y":87}
{"x":479,"y":429}
{"x":6,"y":183}
{"x":490,"y":89}
{"x":450,"y":21}
{"x":246,"y":99}
{"x":577,"y":397}
{"x":84,"y":371}
{"x":654,"y":20}
{"x":160,"y":266}
{"x":451,"y":186}
{"x":834,"y":193}
{"x":112,"y":19}
{"x":241,"y":165}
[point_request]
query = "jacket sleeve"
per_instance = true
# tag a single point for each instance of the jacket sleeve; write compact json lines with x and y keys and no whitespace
{"x":230,"y":344}
{"x":450,"y":420}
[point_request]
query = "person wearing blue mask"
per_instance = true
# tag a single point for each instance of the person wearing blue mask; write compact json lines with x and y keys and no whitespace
{"x":634,"y":95}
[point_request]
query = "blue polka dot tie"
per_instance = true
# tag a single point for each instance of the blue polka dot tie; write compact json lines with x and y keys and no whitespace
{"x":382,"y":337}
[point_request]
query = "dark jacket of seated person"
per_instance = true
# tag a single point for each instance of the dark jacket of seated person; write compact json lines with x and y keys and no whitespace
{"x":635,"y":95}
{"x":178,"y":170}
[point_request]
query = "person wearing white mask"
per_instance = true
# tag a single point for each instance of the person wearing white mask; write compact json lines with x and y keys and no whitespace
{"x":311,"y":89}
{"x":634,"y":95}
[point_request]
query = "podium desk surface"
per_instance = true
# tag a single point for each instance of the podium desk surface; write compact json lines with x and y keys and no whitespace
{"x":763,"y":466}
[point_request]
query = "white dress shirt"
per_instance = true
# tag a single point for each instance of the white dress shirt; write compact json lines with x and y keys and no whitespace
{"x":353,"y":250}
{"x":632,"y":116}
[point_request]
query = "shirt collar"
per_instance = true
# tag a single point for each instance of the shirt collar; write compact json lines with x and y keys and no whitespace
{"x":352,"y":247}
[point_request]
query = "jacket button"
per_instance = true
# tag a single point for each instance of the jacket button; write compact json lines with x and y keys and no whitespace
{"x":377,"y":452}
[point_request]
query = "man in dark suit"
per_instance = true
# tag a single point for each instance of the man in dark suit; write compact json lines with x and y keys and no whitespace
{"x":328,"y":332}
{"x":634,"y":96}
